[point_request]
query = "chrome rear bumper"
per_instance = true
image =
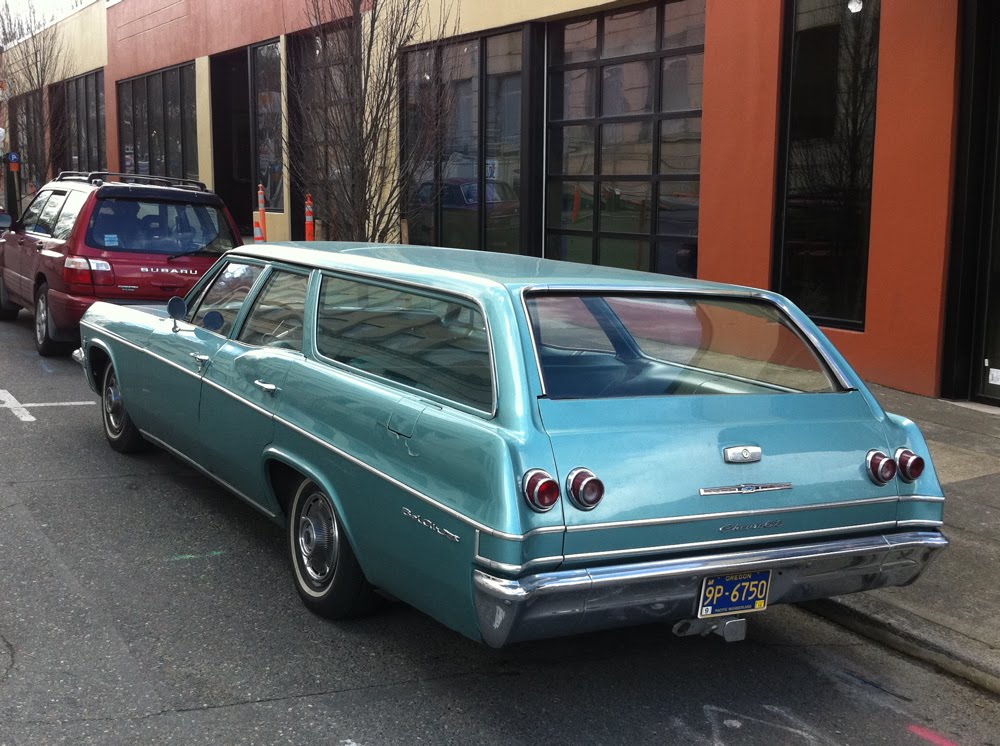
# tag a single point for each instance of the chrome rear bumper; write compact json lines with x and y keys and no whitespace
{"x":565,"y":602}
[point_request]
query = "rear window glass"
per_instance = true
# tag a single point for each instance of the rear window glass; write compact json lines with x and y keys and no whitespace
{"x":433,"y":344}
{"x":159,"y":227}
{"x":595,"y":346}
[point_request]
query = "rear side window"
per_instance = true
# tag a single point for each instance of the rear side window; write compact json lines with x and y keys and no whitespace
{"x":277,"y":316}
{"x":226,"y":294}
{"x":660,"y":344}
{"x":67,"y":217}
{"x":33,"y":213}
{"x":434,"y":344}
{"x":158,"y":227}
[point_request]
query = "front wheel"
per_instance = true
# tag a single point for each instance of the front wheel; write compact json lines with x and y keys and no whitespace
{"x":327,"y":574}
{"x":121,"y":432}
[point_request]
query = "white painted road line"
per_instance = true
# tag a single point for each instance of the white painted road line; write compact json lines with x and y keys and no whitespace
{"x":8,"y":401}
{"x":21,"y":410}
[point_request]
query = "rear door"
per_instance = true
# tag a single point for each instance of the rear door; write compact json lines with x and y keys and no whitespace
{"x":19,"y":246}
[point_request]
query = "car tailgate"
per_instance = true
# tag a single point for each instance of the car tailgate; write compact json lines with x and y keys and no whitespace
{"x":669,"y":488}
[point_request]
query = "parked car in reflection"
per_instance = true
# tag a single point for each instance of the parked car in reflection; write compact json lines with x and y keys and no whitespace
{"x":460,"y":209}
{"x":121,"y":238}
{"x":523,"y":448}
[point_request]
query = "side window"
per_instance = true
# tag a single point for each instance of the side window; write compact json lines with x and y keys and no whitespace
{"x":226,"y":294}
{"x":47,"y":220}
{"x":34,"y":212}
{"x":278,"y":315}
{"x":566,"y":323}
{"x":70,"y":211}
{"x":430,"y":343}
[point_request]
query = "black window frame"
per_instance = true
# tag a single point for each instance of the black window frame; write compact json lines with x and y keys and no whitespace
{"x":655,"y":179}
{"x":141,"y":138}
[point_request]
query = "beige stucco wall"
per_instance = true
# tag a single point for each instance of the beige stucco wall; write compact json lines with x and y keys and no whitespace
{"x":480,"y":15}
{"x":203,"y":107}
{"x":84,"y":37}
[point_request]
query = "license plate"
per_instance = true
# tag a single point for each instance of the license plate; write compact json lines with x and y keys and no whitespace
{"x":738,"y":593}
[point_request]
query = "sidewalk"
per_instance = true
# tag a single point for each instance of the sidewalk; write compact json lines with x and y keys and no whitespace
{"x":951,"y":616}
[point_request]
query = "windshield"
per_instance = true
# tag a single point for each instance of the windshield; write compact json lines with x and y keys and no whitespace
{"x":158,"y":227}
{"x":597,"y":345}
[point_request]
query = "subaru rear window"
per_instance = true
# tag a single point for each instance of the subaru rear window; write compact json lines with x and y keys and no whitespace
{"x":159,"y":227}
{"x":615,"y":345}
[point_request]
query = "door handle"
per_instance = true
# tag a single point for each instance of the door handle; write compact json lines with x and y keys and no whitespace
{"x":201,"y":359}
{"x":264,"y":386}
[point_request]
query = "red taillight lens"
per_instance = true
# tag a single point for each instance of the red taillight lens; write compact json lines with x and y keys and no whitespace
{"x":540,"y":490}
{"x":81,"y":271}
{"x":881,"y":468}
{"x":585,"y":489}
{"x":911,"y":466}
{"x":76,"y":270}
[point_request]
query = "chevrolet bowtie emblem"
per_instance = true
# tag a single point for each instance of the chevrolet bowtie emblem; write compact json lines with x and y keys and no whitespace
{"x":745,"y":489}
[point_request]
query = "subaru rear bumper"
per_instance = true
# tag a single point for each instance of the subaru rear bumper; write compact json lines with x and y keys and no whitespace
{"x":566,"y":602}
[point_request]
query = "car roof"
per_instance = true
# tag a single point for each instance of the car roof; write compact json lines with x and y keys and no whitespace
{"x":469,"y":270}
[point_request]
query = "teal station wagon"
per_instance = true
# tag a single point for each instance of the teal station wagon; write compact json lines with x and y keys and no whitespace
{"x":524,"y":448}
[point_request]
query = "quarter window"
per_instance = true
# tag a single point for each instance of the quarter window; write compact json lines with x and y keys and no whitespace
{"x":277,"y":316}
{"x":71,"y":209}
{"x":433,"y":344}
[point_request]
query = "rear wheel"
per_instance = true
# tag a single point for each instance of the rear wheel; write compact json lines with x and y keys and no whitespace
{"x":8,"y":310}
{"x":121,"y":432}
{"x":44,"y":343}
{"x":327,"y":574}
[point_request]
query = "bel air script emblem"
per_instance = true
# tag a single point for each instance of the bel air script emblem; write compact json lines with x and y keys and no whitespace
{"x":428,"y":523}
{"x":745,"y":489}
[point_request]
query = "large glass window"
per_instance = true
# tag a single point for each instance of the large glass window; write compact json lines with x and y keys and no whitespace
{"x":625,"y":138}
{"x":821,"y":257}
{"x":267,"y":111}
{"x":157,"y":123}
{"x":469,"y":194}
{"x":27,"y":138}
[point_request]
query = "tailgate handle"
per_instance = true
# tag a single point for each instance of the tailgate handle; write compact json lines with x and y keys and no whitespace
{"x":742,"y":454}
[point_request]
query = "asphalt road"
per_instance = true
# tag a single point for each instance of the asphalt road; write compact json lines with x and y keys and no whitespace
{"x":139,"y":603}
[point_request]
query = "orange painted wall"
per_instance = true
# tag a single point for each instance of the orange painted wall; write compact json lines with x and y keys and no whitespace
{"x":912,"y":184}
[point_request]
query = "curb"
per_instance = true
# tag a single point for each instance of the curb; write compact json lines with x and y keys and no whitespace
{"x":946,"y":649}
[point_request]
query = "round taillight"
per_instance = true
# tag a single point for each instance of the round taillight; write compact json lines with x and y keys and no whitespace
{"x":911,"y":466}
{"x":881,"y":468}
{"x":585,"y":489}
{"x":540,"y":490}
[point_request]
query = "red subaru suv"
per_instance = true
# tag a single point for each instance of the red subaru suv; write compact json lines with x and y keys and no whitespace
{"x":120,"y":238}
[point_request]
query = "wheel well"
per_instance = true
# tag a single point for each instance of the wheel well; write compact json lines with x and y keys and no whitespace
{"x":284,"y":480}
{"x":97,"y":361}
{"x":38,"y":283}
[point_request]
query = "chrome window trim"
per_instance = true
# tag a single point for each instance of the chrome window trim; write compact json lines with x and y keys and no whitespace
{"x":433,"y":291}
{"x":726,"y":293}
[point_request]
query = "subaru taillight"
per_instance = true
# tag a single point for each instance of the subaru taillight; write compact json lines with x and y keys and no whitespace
{"x":911,"y":466}
{"x":881,"y":468}
{"x":585,"y":489}
{"x":540,"y":490}
{"x":78,"y":270}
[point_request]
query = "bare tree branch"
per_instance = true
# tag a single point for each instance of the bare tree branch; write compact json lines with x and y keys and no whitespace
{"x":344,"y":102}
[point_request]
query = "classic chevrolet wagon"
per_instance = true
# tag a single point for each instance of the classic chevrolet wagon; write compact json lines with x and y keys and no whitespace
{"x":524,"y":448}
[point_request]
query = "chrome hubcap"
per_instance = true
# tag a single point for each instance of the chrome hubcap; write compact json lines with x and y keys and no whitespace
{"x":41,"y":318}
{"x":318,"y":538}
{"x":113,"y":408}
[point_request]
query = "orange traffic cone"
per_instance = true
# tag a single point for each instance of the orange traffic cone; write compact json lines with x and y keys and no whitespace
{"x":262,"y":212}
{"x":310,"y":223}
{"x":258,"y":237}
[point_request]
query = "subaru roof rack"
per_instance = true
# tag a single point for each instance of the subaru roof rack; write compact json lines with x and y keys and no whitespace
{"x":94,"y":177}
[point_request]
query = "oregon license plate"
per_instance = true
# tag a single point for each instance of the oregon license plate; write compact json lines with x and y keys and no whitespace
{"x":738,"y":593}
